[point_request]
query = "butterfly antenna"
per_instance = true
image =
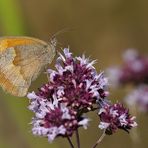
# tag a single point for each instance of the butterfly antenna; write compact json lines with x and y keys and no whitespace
{"x":61,"y":32}
{"x":53,"y":39}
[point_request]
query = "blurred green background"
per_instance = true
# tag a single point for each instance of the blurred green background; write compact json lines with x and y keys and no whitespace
{"x":102,"y":29}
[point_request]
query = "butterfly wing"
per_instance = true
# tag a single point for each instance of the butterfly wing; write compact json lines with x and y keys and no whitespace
{"x":11,"y":78}
{"x":21,"y":61}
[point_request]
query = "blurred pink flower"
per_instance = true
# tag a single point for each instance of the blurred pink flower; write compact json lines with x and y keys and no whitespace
{"x":134,"y":69}
{"x":138,"y":97}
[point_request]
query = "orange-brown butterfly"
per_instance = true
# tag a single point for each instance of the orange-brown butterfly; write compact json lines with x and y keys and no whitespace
{"x":21,"y":61}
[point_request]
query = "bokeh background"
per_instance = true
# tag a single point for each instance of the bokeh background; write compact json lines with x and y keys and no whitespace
{"x":102,"y":29}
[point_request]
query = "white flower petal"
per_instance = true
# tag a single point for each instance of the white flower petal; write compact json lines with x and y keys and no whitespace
{"x":31,"y":95}
{"x":103,"y":125}
{"x":84,"y":123}
{"x":67,"y":53}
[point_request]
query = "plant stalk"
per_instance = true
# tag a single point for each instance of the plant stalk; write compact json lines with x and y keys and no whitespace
{"x":70,"y":142}
{"x":78,"y":138}
{"x":99,"y":140}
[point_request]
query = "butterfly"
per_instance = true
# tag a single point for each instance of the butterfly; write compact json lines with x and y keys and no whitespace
{"x":21,"y":61}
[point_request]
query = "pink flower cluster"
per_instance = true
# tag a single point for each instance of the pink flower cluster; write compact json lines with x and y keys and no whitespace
{"x":52,"y":118}
{"x":74,"y":89}
{"x":115,"y":116}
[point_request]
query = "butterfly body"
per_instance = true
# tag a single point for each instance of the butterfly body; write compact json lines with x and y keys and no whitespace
{"x":21,"y":61}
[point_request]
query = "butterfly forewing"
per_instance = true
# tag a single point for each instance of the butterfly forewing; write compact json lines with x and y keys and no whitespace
{"x":21,"y":61}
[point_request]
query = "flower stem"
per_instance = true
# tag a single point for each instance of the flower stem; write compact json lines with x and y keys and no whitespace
{"x":70,"y":142}
{"x":78,"y":138}
{"x":99,"y":140}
